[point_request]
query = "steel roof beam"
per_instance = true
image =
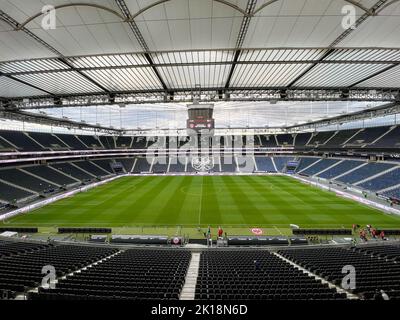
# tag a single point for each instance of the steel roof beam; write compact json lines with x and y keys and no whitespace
{"x":386,"y":5}
{"x":139,"y":37}
{"x":250,"y":8}
{"x":339,"y":39}
{"x":26,"y":83}
{"x":60,"y":57}
{"x":373,"y":75}
{"x":93,"y":5}
{"x":72,"y":68}
{"x":211,"y":94}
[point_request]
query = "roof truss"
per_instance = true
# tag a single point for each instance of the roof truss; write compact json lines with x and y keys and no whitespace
{"x":208,"y":95}
{"x":139,"y":37}
{"x":202,"y":71}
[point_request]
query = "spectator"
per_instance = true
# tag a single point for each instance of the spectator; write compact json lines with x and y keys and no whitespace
{"x":363,"y":235}
{"x":209,"y":232}
{"x":381,"y":295}
{"x":257,"y":265}
{"x":384,"y":295}
{"x":382,"y":235}
{"x":220,"y":232}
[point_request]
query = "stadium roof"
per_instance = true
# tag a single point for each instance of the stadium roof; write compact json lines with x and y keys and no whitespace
{"x":150,"y":51}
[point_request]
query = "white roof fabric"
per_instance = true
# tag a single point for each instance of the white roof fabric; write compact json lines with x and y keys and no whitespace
{"x":192,"y":44}
{"x":193,"y":24}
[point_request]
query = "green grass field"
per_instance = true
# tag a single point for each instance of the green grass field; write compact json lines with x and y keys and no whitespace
{"x":176,"y":204}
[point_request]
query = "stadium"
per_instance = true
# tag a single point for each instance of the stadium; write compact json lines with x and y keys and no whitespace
{"x":200,"y":150}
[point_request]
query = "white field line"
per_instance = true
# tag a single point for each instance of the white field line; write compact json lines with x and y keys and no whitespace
{"x":56,"y":198}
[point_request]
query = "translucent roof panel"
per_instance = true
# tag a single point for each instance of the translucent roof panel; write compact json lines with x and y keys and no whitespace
{"x":199,"y":56}
{"x":113,"y":60}
{"x":281,"y":54}
{"x":371,"y":54}
{"x":181,"y":71}
{"x":11,"y":88}
{"x":63,"y":82}
{"x":126,"y":79}
{"x":194,"y":76}
{"x":338,"y":75}
{"x":271,"y":75}
{"x":32,"y":65}
{"x":388,"y":79}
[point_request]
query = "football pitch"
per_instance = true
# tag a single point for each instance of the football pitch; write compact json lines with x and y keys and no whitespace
{"x":156,"y":204}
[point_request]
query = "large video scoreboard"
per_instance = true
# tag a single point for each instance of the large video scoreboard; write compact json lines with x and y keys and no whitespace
{"x":200,"y":117}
